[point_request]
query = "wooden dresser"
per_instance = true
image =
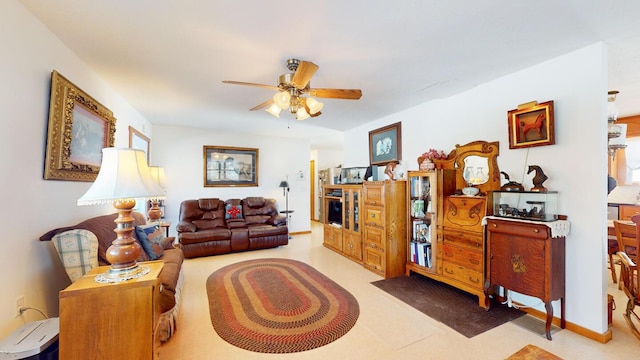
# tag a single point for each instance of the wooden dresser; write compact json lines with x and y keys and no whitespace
{"x":523,"y":256}
{"x":384,"y":227}
{"x":110,"y":321}
{"x":463,"y":244}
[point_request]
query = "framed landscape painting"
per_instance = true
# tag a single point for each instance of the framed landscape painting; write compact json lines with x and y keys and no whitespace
{"x":78,"y":128}
{"x":230,"y":166}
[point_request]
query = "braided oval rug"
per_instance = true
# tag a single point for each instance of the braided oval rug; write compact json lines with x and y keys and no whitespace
{"x":278,"y":306}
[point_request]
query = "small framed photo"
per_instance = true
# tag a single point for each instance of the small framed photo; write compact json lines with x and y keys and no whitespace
{"x":385,"y":144}
{"x":230,"y":166}
{"x":531,"y":125}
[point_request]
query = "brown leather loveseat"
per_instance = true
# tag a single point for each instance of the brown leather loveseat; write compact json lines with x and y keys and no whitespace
{"x":213,"y":226}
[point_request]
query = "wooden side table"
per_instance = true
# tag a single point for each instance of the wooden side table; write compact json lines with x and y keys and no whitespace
{"x":166,"y":225}
{"x":111,"y":321}
{"x":287,"y":213}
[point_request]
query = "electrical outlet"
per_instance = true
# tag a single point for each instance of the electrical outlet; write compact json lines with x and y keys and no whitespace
{"x":19,"y":305}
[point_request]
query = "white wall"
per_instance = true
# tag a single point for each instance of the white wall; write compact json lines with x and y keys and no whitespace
{"x":180,"y":151}
{"x":34,"y":206}
{"x":576,"y":165}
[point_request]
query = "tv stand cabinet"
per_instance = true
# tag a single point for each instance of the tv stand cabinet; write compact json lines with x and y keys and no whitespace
{"x":343,"y":236}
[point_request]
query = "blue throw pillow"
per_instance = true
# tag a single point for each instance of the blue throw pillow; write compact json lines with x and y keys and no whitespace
{"x":151,"y":237}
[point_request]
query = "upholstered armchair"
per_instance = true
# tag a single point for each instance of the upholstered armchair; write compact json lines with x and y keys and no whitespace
{"x":267,"y":228}
{"x":202,"y":229}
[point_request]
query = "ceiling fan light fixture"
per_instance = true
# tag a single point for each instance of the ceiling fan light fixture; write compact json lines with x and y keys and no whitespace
{"x":274,"y":110}
{"x":302,"y":114}
{"x":282,"y":99}
{"x":314,"y":105}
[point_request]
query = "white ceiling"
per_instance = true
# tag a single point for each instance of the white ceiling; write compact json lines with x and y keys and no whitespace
{"x":168,"y":58}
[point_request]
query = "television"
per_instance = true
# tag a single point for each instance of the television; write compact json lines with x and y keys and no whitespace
{"x":334,"y":212}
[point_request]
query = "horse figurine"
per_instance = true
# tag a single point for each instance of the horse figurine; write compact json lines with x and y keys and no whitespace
{"x":536,"y":125}
{"x":538,"y":178}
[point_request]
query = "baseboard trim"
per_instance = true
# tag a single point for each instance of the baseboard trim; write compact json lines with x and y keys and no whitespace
{"x":300,"y":232}
{"x":601,"y":338}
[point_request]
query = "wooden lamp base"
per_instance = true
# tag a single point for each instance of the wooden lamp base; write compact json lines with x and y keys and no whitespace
{"x":124,"y":250}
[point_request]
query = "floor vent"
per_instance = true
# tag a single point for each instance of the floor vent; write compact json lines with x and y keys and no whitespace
{"x":534,"y":325}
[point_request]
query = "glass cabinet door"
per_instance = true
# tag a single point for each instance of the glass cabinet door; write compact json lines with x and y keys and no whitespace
{"x":347,"y":213}
{"x":422,"y":218}
{"x":356,"y":220}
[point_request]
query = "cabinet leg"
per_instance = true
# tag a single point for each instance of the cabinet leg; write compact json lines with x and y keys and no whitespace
{"x":549,"y":309}
{"x":563,"y":323}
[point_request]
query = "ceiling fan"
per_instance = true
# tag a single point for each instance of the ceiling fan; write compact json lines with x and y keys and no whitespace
{"x":291,"y":88}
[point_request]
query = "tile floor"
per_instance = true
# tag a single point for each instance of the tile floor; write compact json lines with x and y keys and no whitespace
{"x":386,"y":329}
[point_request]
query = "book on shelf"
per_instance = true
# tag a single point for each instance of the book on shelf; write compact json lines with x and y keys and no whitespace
{"x":422,"y":232}
{"x":422,"y":253}
{"x":417,"y":208}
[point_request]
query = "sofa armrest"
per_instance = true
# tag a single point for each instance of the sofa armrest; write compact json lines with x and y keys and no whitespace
{"x":277,"y":220}
{"x":184,"y":226}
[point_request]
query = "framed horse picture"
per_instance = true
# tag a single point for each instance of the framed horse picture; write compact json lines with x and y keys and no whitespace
{"x":531,"y":124}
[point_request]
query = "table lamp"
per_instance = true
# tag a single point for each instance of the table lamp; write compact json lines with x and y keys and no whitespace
{"x":124,"y":175}
{"x":155,"y":213}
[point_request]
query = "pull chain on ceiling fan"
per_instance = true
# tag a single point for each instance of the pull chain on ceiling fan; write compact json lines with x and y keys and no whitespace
{"x":291,"y":88}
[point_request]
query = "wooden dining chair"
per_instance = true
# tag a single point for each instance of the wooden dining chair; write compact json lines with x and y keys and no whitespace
{"x":629,"y":272}
{"x":626,"y":237}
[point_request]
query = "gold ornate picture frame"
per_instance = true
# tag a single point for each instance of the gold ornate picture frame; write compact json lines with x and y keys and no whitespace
{"x":230,"y":166}
{"x":79,"y":127}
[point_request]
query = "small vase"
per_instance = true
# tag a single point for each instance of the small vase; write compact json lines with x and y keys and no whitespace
{"x":427,"y":164}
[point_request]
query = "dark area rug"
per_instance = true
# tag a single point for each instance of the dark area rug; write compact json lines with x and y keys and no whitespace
{"x":453,"y":307}
{"x":278,"y":306}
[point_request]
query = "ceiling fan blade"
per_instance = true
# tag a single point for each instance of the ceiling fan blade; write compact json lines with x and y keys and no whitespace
{"x":303,"y":74}
{"x":349,"y":94}
{"x":251,"y":84}
{"x":262,"y":106}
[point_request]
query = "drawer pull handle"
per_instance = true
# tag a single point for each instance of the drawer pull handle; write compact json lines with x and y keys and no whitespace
{"x":448,"y":271}
{"x":536,"y":231}
{"x":474,"y":262}
{"x":495,"y":225}
{"x":475,"y":281}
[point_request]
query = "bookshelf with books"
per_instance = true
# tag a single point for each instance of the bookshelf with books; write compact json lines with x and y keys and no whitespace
{"x":424,"y":215}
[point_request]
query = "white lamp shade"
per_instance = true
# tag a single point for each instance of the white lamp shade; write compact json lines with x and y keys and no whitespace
{"x":314,"y":105}
{"x":282,"y":99}
{"x":274,"y":110}
{"x":301,"y":114}
{"x":123,"y":174}
{"x":157,"y":173}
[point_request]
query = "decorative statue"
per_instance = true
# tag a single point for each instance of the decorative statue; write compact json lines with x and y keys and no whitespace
{"x":390,"y":168}
{"x":538,"y":178}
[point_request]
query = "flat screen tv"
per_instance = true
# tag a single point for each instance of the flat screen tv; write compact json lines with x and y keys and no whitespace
{"x":334,"y":212}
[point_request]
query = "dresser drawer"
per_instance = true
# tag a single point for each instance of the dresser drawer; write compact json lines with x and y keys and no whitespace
{"x":374,"y":194}
{"x":374,"y":239}
{"x":530,"y":230}
{"x":464,"y":256}
{"x":374,"y":216}
{"x":464,"y":238}
{"x":464,"y":212}
{"x":462,"y":274}
{"x":374,"y":259}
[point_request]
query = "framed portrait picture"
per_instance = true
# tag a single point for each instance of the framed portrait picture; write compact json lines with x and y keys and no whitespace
{"x":78,"y":128}
{"x":385,"y":144}
{"x":139,"y":141}
{"x":531,"y":124}
{"x":230,"y":166}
